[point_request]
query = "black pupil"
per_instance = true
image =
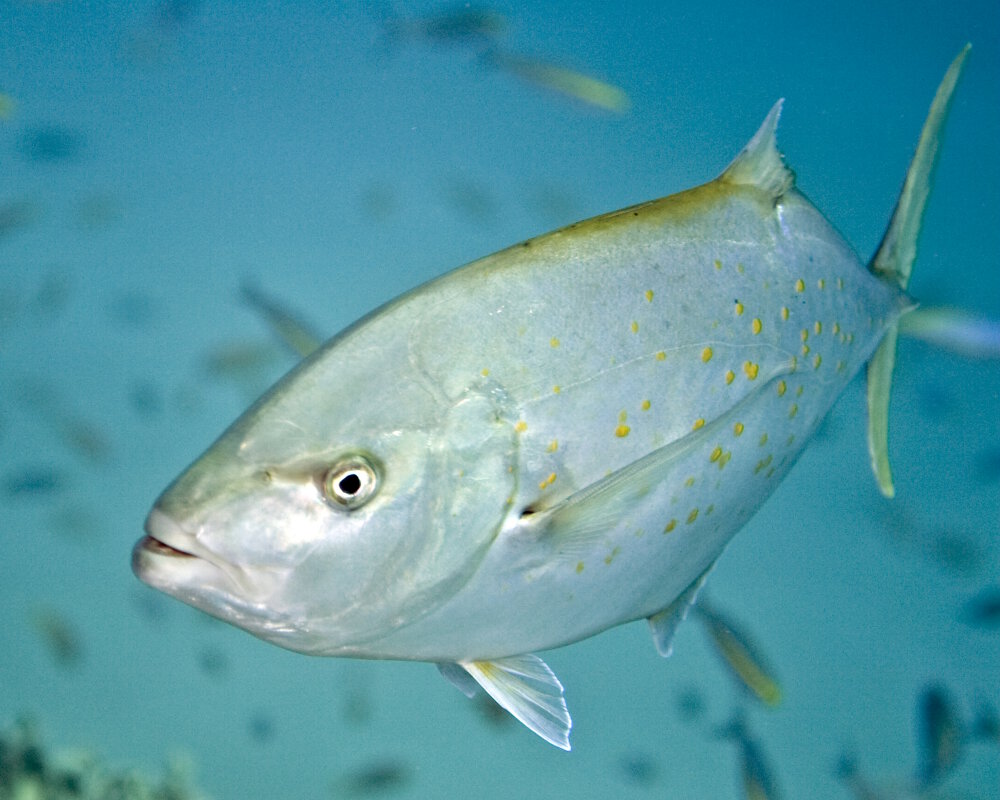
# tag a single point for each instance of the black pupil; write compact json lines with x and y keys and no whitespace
{"x":350,"y":484}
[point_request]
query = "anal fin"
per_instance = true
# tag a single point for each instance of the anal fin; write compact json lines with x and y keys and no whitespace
{"x":664,"y":624}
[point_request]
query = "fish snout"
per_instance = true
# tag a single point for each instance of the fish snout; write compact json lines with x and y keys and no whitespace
{"x":166,"y":550}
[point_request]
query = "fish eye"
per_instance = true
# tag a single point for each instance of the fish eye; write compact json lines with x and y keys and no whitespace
{"x":350,"y":483}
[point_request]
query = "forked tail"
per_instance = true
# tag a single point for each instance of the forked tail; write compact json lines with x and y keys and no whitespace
{"x":893,"y":261}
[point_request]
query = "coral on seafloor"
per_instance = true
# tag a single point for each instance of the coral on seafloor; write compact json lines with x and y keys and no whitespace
{"x":28,"y":771}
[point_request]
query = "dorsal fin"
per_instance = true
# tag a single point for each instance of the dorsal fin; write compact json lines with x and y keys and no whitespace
{"x":759,"y":163}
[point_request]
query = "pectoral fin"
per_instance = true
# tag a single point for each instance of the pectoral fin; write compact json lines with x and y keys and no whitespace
{"x":525,"y":686}
{"x":575,"y":523}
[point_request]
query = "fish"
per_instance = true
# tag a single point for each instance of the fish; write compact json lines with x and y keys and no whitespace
{"x":38,"y":482}
{"x":8,"y":106}
{"x":375,"y":778}
{"x":291,"y":330}
{"x":75,"y":432}
{"x":59,"y":636}
{"x":463,"y":25}
{"x":860,"y":786}
{"x":569,"y":82}
{"x":739,"y":655}
{"x":756,"y":775}
{"x":17,"y":214}
{"x":969,"y":335}
{"x":549,"y":442}
{"x":940,"y":735}
{"x":985,"y":725}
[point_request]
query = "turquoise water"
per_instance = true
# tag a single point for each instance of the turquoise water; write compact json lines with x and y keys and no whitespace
{"x":158,"y":156}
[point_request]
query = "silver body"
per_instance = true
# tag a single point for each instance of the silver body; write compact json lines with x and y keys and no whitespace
{"x":551,"y":441}
{"x":571,"y":355}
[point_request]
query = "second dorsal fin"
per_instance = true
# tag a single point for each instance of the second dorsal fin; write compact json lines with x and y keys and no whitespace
{"x":759,"y":163}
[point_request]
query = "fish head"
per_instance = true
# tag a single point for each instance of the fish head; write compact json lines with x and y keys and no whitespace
{"x":335,"y":511}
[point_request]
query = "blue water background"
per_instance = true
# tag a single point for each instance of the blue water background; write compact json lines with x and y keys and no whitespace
{"x":299,"y":146}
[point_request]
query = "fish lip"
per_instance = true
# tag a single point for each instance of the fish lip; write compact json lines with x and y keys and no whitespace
{"x":170,"y":556}
{"x":164,"y":537}
{"x":151,"y":544}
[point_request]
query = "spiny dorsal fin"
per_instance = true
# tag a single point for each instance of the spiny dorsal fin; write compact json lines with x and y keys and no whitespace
{"x":759,"y":163}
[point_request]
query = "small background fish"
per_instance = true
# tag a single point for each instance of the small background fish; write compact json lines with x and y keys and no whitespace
{"x":292,"y":148}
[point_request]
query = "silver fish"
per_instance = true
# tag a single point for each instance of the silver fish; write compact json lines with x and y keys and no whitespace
{"x":549,"y":442}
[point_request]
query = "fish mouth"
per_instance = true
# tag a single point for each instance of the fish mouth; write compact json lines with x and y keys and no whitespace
{"x":153,"y":545}
{"x":168,"y":553}
{"x":164,"y":537}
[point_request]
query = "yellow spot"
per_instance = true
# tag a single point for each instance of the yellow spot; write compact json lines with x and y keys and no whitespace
{"x":484,"y":372}
{"x":756,"y":326}
{"x":556,"y":389}
{"x":521,"y":426}
{"x":763,"y":439}
{"x":622,"y":431}
{"x":698,"y":423}
{"x":661,"y":356}
{"x":622,"y":415}
{"x":762,"y":464}
{"x":611,"y":556}
{"x":730,"y":376}
{"x":689,"y":482}
{"x":784,"y":313}
{"x":750,"y":369}
{"x":634,"y":326}
{"x":799,"y":390}
{"x":553,"y":446}
{"x":818,"y":327}
{"x":692,"y":516}
{"x":805,"y":349}
{"x":649,"y":295}
{"x":718,"y":264}
{"x":804,"y":335}
{"x":821,"y":283}
{"x":715,"y":454}
{"x":725,"y":459}
{"x":800,"y":285}
{"x":706,"y":354}
{"x":548,"y":481}
{"x":739,"y":308}
{"x":740,"y":268}
{"x":554,"y":342}
{"x":836,"y":328}
{"x":782,"y":388}
{"x":793,"y":410}
{"x":817,"y":361}
{"x":579,"y":567}
{"x":738,"y":429}
{"x":645,"y":405}
{"x":670,"y":526}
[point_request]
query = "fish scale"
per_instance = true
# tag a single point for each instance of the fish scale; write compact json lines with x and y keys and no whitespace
{"x":551,"y":441}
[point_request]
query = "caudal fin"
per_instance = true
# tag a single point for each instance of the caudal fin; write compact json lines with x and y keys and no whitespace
{"x":893,"y":261}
